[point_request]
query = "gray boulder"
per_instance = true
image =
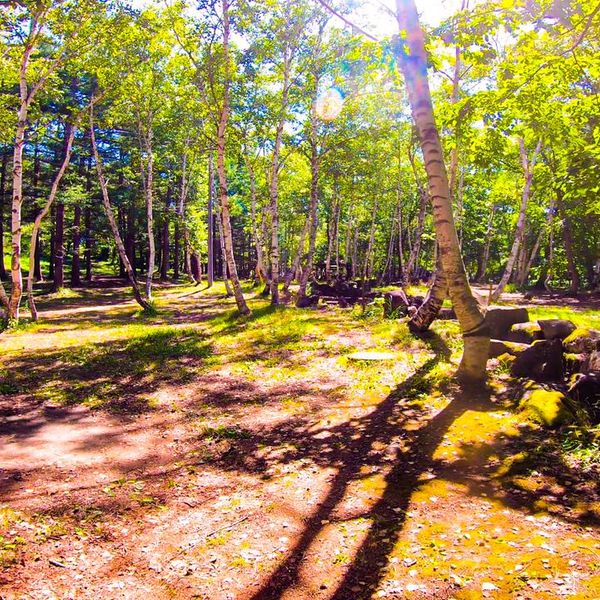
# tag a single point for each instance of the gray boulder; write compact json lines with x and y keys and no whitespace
{"x":542,"y":361}
{"x":501,"y":318}
{"x":582,"y":340}
{"x":556,"y":328}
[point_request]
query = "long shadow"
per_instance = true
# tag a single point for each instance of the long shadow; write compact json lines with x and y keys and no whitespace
{"x":383,"y":424}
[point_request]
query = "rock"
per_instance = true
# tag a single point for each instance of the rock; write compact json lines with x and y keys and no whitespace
{"x":446,"y":314}
{"x":501,"y":318}
{"x":556,"y":328}
{"x":575,"y":363}
{"x":585,"y":389}
{"x":308,"y":301}
{"x":525,"y":333}
{"x":593,"y":363}
{"x":498,"y":347}
{"x":550,"y":408}
{"x":542,"y":361}
{"x":582,"y":340}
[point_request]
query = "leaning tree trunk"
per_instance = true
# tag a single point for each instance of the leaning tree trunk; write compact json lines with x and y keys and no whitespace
{"x":413,"y":60}
{"x":69,"y":136}
{"x":528,"y":166}
{"x":223,"y":190}
{"x":426,"y":314}
{"x":113,"y":223}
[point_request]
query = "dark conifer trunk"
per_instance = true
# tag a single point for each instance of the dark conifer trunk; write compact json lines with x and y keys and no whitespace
{"x":59,"y":247}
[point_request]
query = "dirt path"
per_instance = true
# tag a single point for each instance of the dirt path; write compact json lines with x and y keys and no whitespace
{"x":269,"y":472}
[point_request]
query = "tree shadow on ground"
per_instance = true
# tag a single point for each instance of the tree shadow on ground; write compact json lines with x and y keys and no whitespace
{"x":115,"y":375}
{"x":530,"y":472}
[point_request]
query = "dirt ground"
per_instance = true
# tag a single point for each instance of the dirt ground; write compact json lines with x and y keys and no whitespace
{"x":270,"y":471}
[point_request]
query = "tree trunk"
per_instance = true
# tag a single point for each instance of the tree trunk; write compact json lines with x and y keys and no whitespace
{"x":58,"y":252}
{"x":148,"y":179}
{"x":436,"y":294}
{"x":210,"y":272}
{"x":113,"y":223}
{"x":568,"y":240}
{"x":17,"y":202}
{"x":470,"y":315}
{"x":413,"y":259}
{"x":488,"y":242}
{"x":400,"y":240}
{"x":312,"y":210}
{"x":332,"y":235}
{"x":2,"y":198}
{"x":37,"y":265}
{"x":261,"y":272}
{"x":69,"y":136}
{"x":274,"y":187}
{"x":228,"y":289}
{"x":297,"y":257}
{"x":166,"y":246}
{"x":223,"y":190}
{"x":368,"y":263}
{"x":528,"y":166}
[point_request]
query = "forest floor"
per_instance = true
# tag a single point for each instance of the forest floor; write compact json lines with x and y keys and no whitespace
{"x":193,"y":454}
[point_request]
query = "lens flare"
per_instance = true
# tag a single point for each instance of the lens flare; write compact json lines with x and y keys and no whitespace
{"x":329,"y":104}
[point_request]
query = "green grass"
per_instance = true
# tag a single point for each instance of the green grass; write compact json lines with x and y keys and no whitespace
{"x":587,"y":318}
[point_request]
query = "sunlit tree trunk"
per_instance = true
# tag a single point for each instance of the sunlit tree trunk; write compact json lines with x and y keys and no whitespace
{"x":413,"y":59}
{"x":226,"y":219}
{"x":3,"y":170}
{"x":69,"y":136}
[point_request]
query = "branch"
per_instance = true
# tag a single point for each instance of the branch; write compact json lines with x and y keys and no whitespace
{"x":347,"y":21}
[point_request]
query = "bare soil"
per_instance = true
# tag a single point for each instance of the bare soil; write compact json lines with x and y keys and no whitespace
{"x":222,"y":486}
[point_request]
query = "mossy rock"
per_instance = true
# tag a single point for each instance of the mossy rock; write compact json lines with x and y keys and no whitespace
{"x":547,"y":407}
{"x":574,"y":363}
{"x":499,"y":347}
{"x":525,"y":333}
{"x":582,"y":340}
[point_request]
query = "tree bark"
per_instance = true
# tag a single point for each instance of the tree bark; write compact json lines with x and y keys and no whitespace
{"x":2,"y":198}
{"x":166,"y":246}
{"x":528,"y":167}
{"x":221,"y":151}
{"x":488,"y":242}
{"x":58,"y":251}
{"x":261,"y":272}
{"x":413,"y":60}
{"x":297,"y":257}
{"x":413,"y":259}
{"x":274,"y":184}
{"x":568,"y":240}
{"x":228,"y":289}
{"x":113,"y":223}
{"x":69,"y":136}
{"x":312,"y":210}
